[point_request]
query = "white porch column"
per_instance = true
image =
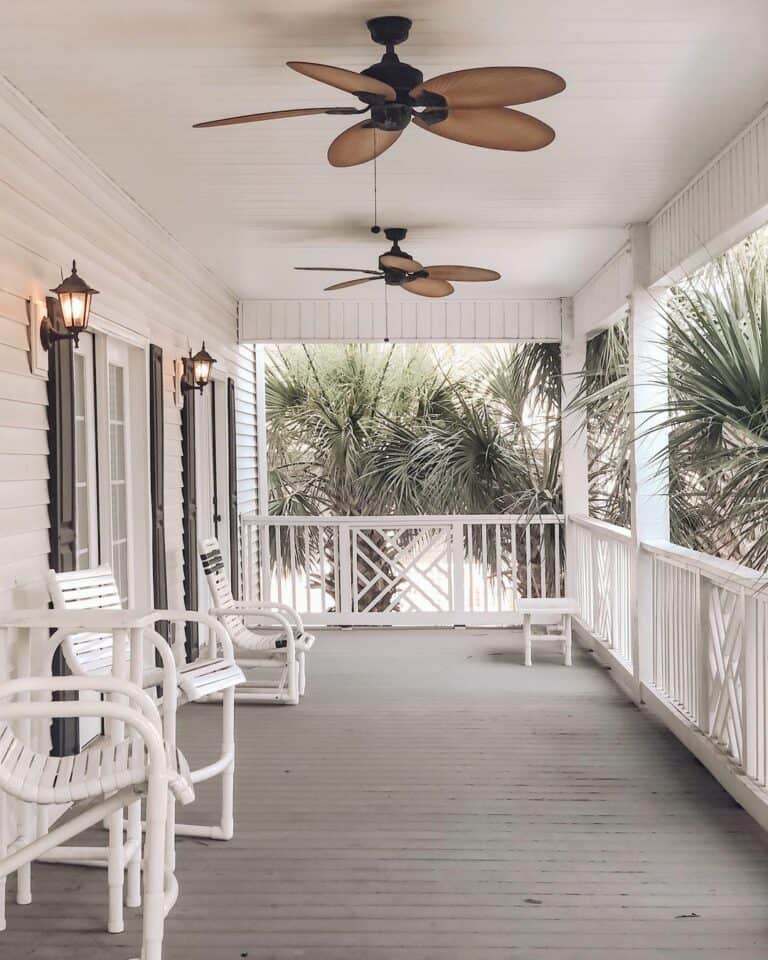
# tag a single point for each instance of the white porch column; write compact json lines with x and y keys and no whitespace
{"x":649,"y":471}
{"x":574,"y":438}
{"x":262,"y":476}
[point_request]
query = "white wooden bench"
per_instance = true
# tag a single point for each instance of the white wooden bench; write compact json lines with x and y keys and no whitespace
{"x":541,"y":610}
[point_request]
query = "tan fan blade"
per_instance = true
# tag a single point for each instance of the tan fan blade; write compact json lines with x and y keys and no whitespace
{"x":446,"y":272}
{"x":427,"y":287}
{"x":493,"y":86}
{"x":343,"y":79}
{"x":275,"y":115}
{"x":393,"y":262}
{"x":359,"y":144}
{"x":495,"y":127}
{"x":339,"y":270}
{"x":352,"y":283}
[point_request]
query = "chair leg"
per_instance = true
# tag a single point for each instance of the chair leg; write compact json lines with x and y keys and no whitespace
{"x":228,"y":776}
{"x":24,"y":873}
{"x":301,"y":657}
{"x":154,"y":867}
{"x":115,"y":873}
{"x":133,"y":877}
{"x":293,"y":682}
{"x":527,"y":639}
{"x":568,"y":632}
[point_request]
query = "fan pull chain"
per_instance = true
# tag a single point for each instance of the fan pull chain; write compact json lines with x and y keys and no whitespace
{"x":386,"y":314}
{"x":375,"y":228}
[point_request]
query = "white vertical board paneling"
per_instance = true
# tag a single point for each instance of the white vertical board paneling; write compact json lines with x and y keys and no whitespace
{"x":719,"y":207}
{"x":314,"y":321}
{"x":604,"y":297}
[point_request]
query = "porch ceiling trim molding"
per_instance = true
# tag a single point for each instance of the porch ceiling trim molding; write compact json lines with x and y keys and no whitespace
{"x":603,"y":298}
{"x":307,"y":321}
{"x":721,"y":205}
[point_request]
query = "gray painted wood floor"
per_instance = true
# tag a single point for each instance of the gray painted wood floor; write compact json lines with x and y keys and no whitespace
{"x":432,"y":798}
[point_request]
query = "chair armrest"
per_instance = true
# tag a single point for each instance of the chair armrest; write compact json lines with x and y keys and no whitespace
{"x":142,"y":702}
{"x":145,"y":720}
{"x":288,"y":612}
{"x":244,"y":610}
{"x":195,"y":616}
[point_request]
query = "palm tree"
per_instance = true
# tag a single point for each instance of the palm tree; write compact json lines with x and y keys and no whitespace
{"x":357,"y":430}
{"x":716,"y":415}
{"x":717,"y":412}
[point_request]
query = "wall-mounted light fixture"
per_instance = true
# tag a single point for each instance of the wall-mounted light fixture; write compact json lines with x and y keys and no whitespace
{"x":73,"y":305}
{"x":198,"y":370}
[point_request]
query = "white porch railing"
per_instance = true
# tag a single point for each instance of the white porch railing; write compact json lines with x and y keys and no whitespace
{"x":601,"y":555}
{"x":428,"y":570}
{"x":710,"y":650}
{"x":702,"y":645}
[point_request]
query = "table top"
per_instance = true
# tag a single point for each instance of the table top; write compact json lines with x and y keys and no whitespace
{"x":77,"y":619}
{"x":547,"y":605}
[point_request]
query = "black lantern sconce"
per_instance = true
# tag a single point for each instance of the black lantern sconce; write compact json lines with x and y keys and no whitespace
{"x":73,"y":305}
{"x":198,"y":370}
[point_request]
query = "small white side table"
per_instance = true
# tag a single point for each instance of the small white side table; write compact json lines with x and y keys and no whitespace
{"x":534,"y":610}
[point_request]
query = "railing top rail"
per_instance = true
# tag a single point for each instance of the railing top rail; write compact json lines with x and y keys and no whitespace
{"x":416,"y":520}
{"x":606,"y":530}
{"x":725,"y":572}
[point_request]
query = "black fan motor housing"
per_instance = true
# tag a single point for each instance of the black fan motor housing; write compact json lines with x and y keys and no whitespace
{"x":402,"y":77}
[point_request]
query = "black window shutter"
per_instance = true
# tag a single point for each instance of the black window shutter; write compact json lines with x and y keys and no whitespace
{"x":65,"y":733}
{"x":157,"y":483}
{"x":234,"y":540}
{"x":189,"y":518}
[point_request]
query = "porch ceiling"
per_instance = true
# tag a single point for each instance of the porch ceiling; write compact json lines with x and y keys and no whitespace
{"x":654,"y":90}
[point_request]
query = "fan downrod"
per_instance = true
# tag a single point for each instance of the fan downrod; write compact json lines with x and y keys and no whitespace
{"x":389,"y":31}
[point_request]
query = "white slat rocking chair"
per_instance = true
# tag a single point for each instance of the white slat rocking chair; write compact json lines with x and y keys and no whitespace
{"x":105,"y":779}
{"x":90,"y":654}
{"x":285,"y":649}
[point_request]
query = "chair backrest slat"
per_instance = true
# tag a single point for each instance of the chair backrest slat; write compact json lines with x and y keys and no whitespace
{"x":215,"y":571}
{"x":94,"y":589}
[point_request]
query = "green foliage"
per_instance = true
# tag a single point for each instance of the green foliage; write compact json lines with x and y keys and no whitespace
{"x":717,"y":412}
{"x":716,"y":415}
{"x":604,"y":395}
{"x":412,"y":430}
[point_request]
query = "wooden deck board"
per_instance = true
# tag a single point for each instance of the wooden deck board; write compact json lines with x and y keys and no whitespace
{"x":433,"y":798}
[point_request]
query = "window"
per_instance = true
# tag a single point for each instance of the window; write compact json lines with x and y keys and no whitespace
{"x":118,"y":480}
{"x":86,"y":498}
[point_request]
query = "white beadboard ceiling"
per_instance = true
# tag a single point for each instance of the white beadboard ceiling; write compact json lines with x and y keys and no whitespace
{"x":655,"y":89}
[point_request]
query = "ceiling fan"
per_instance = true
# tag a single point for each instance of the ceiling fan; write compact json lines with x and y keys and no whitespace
{"x":398,"y":269}
{"x":467,"y":105}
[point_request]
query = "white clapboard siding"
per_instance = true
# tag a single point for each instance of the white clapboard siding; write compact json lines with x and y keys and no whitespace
{"x":285,"y":321}
{"x":56,"y":205}
{"x":720,"y":206}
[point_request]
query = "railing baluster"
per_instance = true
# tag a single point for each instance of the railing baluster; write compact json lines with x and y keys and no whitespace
{"x":528,"y":570}
{"x":321,"y":559}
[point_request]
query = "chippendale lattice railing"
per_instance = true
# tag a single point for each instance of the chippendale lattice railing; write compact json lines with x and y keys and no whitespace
{"x":601,"y":555}
{"x":707,"y":655}
{"x":435,"y":570}
{"x":710,"y":649}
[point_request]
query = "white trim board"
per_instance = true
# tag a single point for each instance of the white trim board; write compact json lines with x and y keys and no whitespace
{"x":305,"y":321}
{"x":722,"y":204}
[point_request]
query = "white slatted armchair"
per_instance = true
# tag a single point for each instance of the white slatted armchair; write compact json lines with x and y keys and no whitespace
{"x":251,"y":627}
{"x":105,"y":779}
{"x":89,"y":654}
